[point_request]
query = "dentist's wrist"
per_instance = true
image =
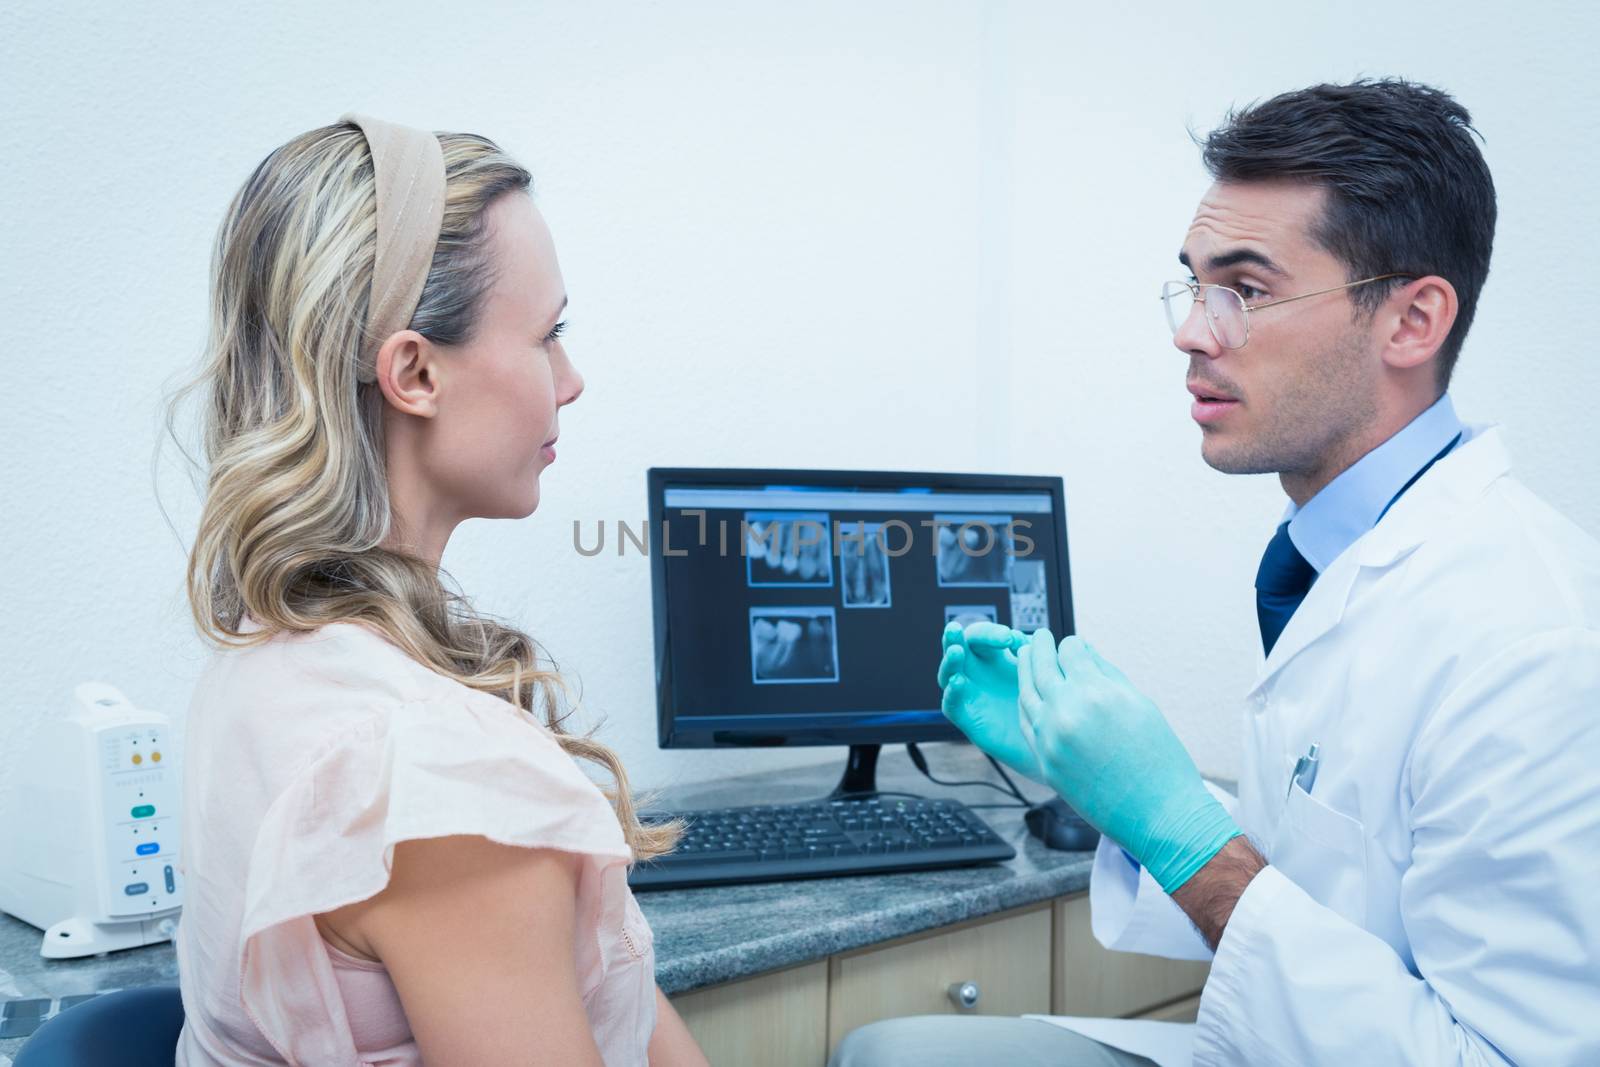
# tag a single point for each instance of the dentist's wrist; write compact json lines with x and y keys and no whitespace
{"x":1209,"y":897}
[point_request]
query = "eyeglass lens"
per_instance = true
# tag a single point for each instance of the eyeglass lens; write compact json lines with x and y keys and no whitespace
{"x":1224,"y":312}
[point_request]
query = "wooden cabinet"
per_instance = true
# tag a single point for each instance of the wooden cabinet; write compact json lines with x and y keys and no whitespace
{"x":1006,"y":956}
{"x":1037,"y":959}
{"x":772,"y":1019}
{"x":1093,"y":980}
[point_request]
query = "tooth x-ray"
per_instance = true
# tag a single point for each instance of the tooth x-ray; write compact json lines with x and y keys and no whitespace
{"x":974,"y":549}
{"x":788,"y":548}
{"x":793,"y":644}
{"x":967,"y":614}
{"x":863,"y":566}
{"x":1030,"y":607}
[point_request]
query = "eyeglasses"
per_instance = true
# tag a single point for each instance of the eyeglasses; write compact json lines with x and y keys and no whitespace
{"x":1226,"y":313}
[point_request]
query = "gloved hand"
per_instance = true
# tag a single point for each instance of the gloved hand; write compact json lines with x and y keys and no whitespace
{"x":979,"y":677}
{"x":1105,"y":747}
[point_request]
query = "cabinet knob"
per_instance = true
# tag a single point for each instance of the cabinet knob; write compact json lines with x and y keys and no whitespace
{"x":964,"y":995}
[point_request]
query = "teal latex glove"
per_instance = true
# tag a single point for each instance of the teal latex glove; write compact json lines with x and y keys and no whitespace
{"x":1107,"y":749}
{"x":979,"y":677}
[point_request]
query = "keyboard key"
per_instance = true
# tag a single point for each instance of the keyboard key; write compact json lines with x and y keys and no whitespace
{"x":27,"y":1008}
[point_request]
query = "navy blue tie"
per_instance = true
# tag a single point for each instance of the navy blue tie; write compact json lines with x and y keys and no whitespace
{"x":1285,"y":577}
{"x":1281,"y":583}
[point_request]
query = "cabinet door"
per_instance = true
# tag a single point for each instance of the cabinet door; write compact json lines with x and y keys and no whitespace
{"x":1093,"y":980}
{"x":1007,"y":957}
{"x":771,"y":1020}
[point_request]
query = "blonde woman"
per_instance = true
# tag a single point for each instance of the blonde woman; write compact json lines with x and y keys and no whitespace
{"x":391,"y":853}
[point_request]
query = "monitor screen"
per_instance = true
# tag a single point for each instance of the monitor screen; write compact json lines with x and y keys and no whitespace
{"x":806,"y":607}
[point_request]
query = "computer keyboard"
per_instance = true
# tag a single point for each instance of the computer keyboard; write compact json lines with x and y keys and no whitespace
{"x":778,"y":842}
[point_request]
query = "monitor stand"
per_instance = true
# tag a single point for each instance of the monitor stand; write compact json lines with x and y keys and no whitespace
{"x":860,"y":778}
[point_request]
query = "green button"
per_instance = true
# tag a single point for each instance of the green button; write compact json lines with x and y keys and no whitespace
{"x":143,"y":810}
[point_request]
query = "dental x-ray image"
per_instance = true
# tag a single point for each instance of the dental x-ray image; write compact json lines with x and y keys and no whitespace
{"x":967,"y":614}
{"x":863,"y":565}
{"x":1030,"y":607}
{"x":788,"y":548}
{"x":793,"y":644}
{"x":974,"y":549}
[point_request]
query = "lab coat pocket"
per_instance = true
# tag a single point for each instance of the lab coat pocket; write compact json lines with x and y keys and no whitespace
{"x":1324,"y":852}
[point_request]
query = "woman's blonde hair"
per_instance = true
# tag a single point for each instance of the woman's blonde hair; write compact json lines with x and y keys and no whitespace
{"x":296,"y":492}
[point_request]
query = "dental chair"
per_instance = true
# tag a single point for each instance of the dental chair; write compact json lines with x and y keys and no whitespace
{"x":127,"y":1028}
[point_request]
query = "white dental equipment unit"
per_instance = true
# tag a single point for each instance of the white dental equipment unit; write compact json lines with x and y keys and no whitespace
{"x":89,"y":827}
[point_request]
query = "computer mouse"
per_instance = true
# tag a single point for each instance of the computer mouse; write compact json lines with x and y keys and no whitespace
{"x":1058,"y":826}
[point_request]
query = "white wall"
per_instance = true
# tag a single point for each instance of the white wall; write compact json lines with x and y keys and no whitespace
{"x":1104,"y":181}
{"x":834,"y":235}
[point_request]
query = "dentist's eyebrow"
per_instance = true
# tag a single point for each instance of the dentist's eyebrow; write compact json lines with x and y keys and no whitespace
{"x":1236,"y":257}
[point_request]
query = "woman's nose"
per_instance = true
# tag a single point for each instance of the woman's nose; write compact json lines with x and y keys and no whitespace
{"x":568,"y":382}
{"x":574,"y":386}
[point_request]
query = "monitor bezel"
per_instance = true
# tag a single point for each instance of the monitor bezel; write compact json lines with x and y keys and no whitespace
{"x":659,"y":479}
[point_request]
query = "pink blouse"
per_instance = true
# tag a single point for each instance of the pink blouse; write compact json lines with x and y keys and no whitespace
{"x":377,"y":1018}
{"x":306,"y":760}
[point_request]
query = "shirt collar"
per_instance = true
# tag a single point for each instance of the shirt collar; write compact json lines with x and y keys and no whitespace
{"x":1351,"y":504}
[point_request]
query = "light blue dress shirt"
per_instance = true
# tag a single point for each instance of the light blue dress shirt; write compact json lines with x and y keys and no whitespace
{"x":1352,"y":503}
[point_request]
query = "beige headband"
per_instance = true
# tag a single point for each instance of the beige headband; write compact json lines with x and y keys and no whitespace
{"x":408,"y":169}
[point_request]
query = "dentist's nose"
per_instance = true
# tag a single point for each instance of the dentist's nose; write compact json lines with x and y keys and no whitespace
{"x":1194,"y":336}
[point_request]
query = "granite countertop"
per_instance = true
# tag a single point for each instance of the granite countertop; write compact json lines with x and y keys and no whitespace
{"x":716,"y":934}
{"x":707,"y":936}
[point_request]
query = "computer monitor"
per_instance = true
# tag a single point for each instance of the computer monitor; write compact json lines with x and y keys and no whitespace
{"x":805,"y":607}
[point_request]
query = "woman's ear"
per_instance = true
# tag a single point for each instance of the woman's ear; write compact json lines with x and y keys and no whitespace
{"x":1418,"y":318}
{"x":408,"y":373}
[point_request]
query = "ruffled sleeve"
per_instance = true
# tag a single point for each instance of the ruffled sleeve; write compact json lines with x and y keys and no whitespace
{"x":459,"y":763}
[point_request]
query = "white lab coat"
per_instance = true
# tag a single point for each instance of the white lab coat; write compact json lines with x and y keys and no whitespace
{"x":1435,"y":899}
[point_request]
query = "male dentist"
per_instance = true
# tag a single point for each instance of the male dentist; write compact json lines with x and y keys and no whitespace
{"x":1411,"y":872}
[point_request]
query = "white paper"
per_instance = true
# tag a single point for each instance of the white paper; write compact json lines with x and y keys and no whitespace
{"x":1168,"y":1044}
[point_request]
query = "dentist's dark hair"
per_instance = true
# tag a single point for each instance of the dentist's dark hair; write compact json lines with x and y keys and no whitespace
{"x":1408,"y":189}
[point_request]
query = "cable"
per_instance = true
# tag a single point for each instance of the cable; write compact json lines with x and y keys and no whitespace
{"x":922,"y":765}
{"x":1002,"y":772}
